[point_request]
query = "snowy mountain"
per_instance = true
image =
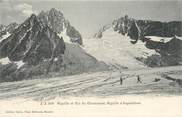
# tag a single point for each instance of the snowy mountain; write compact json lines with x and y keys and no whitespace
{"x":34,"y":50}
{"x":160,"y":41}
{"x":55,"y":20}
{"x":31,"y":42}
{"x":29,"y":45}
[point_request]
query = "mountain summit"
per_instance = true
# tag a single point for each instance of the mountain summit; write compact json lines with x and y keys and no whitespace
{"x":56,"y":21}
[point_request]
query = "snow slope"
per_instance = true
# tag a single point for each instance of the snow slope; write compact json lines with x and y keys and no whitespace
{"x":116,"y":49}
{"x":75,"y":59}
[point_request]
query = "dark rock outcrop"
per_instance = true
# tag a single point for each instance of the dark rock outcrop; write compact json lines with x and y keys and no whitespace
{"x":134,"y":32}
{"x":170,"y":53}
{"x":162,"y":29}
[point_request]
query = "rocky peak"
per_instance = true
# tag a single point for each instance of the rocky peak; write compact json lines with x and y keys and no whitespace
{"x":33,"y":19}
{"x":53,"y":18}
{"x":31,"y":42}
{"x":55,"y":12}
{"x":56,"y":21}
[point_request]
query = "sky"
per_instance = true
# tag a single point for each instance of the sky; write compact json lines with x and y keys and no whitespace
{"x":88,"y":16}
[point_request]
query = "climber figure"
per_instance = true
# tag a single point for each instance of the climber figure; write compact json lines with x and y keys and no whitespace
{"x":121,"y":80}
{"x":139,"y":79}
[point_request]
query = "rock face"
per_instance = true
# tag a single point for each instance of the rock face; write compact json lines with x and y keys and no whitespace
{"x":32,"y":43}
{"x":56,"y":21}
{"x":2,"y":27}
{"x":162,"y":29}
{"x":170,"y":52}
{"x":28,"y":47}
{"x":148,"y":28}
{"x":134,"y":32}
{"x":5,"y":30}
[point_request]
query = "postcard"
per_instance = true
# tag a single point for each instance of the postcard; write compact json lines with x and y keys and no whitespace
{"x":90,"y":58}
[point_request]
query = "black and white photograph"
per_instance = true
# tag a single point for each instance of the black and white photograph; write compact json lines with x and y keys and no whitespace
{"x":58,"y":49}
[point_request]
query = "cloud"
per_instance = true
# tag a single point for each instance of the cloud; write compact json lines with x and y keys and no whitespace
{"x":14,"y":12}
{"x":25,"y":9}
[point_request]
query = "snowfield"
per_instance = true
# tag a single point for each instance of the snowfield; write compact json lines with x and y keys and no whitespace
{"x":101,"y":84}
{"x":116,"y":49}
